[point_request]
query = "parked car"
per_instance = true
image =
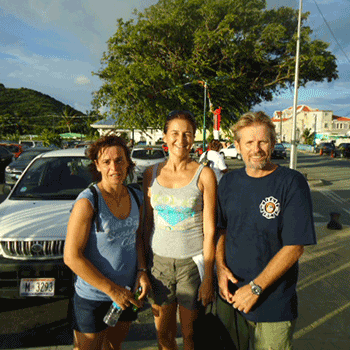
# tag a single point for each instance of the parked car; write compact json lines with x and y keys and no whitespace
{"x":14,"y":148}
{"x":279,"y":152}
{"x":30,"y":143}
{"x":146,"y":156}
{"x":325,"y":148}
{"x":6,"y":158}
{"x":343,"y":150}
{"x":33,"y":224}
{"x":83,"y":144}
{"x":15,"y":169}
{"x":230,"y":152}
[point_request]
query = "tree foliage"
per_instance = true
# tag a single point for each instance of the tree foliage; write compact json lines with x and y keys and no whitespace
{"x":50,"y":138}
{"x":245,"y":53}
{"x":308,"y":136}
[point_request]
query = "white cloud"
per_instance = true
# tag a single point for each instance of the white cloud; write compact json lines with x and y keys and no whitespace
{"x":82,"y":80}
{"x":47,"y":10}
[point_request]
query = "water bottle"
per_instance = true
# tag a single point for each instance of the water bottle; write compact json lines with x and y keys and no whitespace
{"x":113,"y":313}
{"x":137,"y":295}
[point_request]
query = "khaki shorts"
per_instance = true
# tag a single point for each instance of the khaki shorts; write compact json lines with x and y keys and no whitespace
{"x":255,"y":336}
{"x":175,"y":280}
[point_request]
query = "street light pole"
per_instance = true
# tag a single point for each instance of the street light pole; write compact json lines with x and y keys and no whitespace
{"x":315,"y":133}
{"x":293,"y":154}
{"x":205,"y":85}
{"x":205,"y":107}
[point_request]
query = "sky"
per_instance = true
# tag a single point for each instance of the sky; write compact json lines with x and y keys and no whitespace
{"x":53,"y":46}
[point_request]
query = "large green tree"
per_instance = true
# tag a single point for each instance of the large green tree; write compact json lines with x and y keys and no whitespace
{"x":243,"y":52}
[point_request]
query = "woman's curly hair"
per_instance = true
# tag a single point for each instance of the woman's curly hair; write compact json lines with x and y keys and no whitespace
{"x":95,"y":149}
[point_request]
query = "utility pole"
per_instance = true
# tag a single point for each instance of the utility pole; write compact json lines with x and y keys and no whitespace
{"x":293,"y":154}
{"x":205,"y":107}
{"x":281,"y":119}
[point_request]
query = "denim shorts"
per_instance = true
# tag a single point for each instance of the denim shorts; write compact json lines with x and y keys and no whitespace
{"x":175,"y":280}
{"x":87,"y":315}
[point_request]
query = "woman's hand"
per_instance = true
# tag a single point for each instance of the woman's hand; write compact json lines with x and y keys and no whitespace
{"x":144,"y":283}
{"x":206,"y":291}
{"x":124,"y":297}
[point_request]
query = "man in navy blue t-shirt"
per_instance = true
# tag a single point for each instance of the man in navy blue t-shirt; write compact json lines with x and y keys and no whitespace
{"x":265,"y":219}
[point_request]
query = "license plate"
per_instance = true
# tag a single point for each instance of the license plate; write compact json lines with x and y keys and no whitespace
{"x":37,"y":287}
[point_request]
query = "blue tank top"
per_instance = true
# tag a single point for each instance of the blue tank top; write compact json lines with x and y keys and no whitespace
{"x":112,"y":250}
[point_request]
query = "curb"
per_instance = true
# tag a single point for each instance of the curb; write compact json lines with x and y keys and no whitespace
{"x":316,"y":183}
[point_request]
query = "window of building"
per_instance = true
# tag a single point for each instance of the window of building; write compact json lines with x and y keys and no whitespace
{"x":326,"y":125}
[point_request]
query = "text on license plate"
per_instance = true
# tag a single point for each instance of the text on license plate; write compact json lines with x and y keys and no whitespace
{"x":43,"y":287}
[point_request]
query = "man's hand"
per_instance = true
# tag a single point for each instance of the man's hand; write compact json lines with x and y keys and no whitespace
{"x":244,"y":299}
{"x":224,"y":276}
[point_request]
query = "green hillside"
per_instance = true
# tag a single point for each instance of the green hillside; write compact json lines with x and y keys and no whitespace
{"x":26,"y":111}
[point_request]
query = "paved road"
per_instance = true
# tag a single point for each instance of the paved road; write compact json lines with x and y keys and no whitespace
{"x":324,"y":321}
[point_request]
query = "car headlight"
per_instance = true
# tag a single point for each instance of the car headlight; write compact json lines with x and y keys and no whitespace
{"x":8,"y":169}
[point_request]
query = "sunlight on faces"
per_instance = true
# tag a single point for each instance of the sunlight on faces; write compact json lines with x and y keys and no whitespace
{"x":255,"y":146}
{"x":179,"y":137}
{"x":112,"y":164}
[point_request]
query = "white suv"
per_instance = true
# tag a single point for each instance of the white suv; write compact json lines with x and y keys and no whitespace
{"x":33,"y":225}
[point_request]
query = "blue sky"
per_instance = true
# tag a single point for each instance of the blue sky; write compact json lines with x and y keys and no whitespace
{"x":52,"y":46}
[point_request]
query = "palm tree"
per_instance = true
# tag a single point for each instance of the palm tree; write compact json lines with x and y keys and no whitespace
{"x":308,"y":136}
{"x":67,"y":116}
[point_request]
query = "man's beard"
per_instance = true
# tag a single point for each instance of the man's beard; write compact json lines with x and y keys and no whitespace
{"x":258,"y":166}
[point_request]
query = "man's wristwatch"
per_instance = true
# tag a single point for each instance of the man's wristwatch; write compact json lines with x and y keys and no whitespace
{"x":257,"y":290}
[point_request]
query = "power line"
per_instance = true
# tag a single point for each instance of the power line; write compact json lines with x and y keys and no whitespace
{"x":325,"y":21}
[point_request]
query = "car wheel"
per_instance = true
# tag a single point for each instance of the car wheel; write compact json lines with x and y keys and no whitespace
{"x":239,"y":157}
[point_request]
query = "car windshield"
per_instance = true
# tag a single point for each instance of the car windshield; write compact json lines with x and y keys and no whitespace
{"x":279,"y":147}
{"x":54,"y":178}
{"x":147,"y":153}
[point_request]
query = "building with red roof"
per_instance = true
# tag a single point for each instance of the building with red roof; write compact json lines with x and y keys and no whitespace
{"x":322,"y":122}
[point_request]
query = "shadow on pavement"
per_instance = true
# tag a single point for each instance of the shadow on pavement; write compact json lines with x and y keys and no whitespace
{"x":56,"y":333}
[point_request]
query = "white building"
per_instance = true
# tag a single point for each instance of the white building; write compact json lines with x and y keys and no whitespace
{"x":323,"y":122}
{"x":149,"y":136}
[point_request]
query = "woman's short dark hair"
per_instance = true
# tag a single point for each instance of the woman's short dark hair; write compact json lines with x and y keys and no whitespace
{"x":95,"y":149}
{"x":185,"y":115}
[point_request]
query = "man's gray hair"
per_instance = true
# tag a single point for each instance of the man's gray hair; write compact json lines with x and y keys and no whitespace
{"x":250,"y":118}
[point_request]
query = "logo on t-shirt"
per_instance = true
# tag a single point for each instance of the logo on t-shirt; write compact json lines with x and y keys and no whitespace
{"x":270,"y":207}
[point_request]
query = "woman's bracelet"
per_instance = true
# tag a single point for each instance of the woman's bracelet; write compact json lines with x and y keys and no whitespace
{"x":142,"y":270}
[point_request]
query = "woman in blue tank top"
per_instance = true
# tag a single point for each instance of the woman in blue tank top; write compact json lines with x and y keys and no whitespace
{"x":105,"y":249}
{"x":180,"y":204}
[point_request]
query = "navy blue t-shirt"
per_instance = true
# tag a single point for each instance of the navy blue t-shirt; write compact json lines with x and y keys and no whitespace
{"x":261,"y":215}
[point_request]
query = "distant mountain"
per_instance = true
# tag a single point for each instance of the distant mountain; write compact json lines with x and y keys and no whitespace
{"x":27,"y":111}
{"x":27,"y":102}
